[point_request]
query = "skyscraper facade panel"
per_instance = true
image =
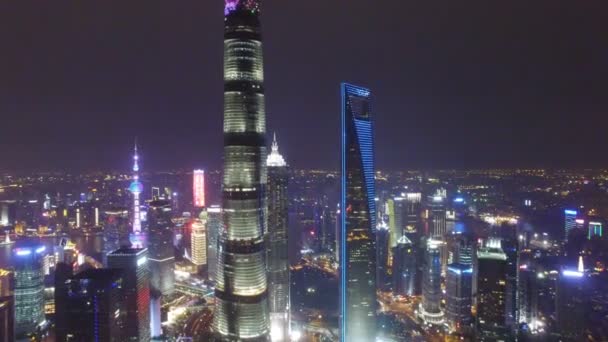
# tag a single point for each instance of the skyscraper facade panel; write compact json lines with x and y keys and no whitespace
{"x":241,"y":312}
{"x":358,"y":218}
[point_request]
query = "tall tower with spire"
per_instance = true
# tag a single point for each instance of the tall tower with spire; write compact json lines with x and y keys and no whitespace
{"x":241,"y":307}
{"x":276,"y":249}
{"x":136,"y":188}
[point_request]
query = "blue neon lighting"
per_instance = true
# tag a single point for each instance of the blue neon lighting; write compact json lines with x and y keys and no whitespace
{"x":364,"y":137}
{"x":343,"y":219}
{"x":459,"y":200}
{"x":570,"y":212}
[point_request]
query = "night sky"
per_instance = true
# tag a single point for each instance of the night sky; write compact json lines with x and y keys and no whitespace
{"x":457,"y":83}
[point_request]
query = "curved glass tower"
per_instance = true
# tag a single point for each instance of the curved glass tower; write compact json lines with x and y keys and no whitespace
{"x":358,"y":219}
{"x":241,"y":312}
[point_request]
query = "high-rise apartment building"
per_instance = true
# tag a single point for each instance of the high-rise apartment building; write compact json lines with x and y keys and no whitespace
{"x":133,"y":263}
{"x":277,"y":261}
{"x":241,"y":305}
{"x":161,"y":256}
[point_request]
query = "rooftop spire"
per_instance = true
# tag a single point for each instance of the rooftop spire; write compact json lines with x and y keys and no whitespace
{"x":275,"y":158}
{"x":581,"y":265}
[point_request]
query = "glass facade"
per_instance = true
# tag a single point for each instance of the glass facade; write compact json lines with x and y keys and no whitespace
{"x":242,"y":311}
{"x":135,"y":291}
{"x":160,"y":248}
{"x":430,"y":309}
{"x":459,"y":289}
{"x":277,"y":253}
{"x":29,"y":289}
{"x":214,"y":226}
{"x":358,"y":218}
{"x":491,"y":293}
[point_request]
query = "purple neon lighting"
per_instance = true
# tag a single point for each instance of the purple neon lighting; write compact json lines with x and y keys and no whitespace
{"x":233,"y":5}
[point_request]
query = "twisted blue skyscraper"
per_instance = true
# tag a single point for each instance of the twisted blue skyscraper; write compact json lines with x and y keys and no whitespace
{"x":358,"y":219}
{"x":241,"y":311}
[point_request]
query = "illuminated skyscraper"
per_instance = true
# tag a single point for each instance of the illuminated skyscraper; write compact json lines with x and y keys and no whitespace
{"x":430,"y":308}
{"x":7,"y":306}
{"x":92,"y":305}
{"x":133,"y":263}
{"x":115,"y":230}
{"x":458,"y":296}
{"x":358,"y":218}
{"x":492,"y":292}
{"x":29,"y":288}
{"x":277,"y":256}
{"x":136,"y":188}
{"x":572,"y":302}
{"x":214,"y":227}
{"x":404,"y":268}
{"x":241,"y":309}
{"x":199,"y":241}
{"x":569,"y":222}
{"x":436,"y":204}
{"x":198,"y":188}
{"x":382,"y":257}
{"x":161,"y":256}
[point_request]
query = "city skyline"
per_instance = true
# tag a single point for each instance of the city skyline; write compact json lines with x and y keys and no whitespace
{"x":489,"y":234}
{"x":490,"y":97}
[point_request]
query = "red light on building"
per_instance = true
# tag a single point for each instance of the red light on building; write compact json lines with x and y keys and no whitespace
{"x":198,"y":188}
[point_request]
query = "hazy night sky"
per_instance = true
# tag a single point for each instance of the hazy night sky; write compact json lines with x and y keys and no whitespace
{"x":456,"y":83}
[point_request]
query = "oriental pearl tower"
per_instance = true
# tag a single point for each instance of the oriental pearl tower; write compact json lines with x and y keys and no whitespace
{"x":136,"y":188}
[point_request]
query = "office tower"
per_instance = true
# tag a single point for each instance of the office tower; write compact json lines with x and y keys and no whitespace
{"x":29,"y":288}
{"x":396,"y":214}
{"x":214,"y":227}
{"x":430,"y":309}
{"x":136,"y":188}
{"x":436,"y":204}
{"x":277,"y":261}
{"x":527,"y":296}
{"x":569,"y":222}
{"x":404,"y":268}
{"x":63,"y":272}
{"x":459,"y":284}
{"x":7,"y":305}
{"x":161,"y":256}
{"x":595,"y":229}
{"x":572,"y":300}
{"x":358,"y":218}
{"x":241,"y":309}
{"x":198,"y":242}
{"x":92,"y":306}
{"x":492,"y":291}
{"x":413,"y":201}
{"x":198,"y":188}
{"x":328,"y":230}
{"x":383,"y":269}
{"x":133,"y":262}
{"x":463,"y":249}
{"x":115,"y":230}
